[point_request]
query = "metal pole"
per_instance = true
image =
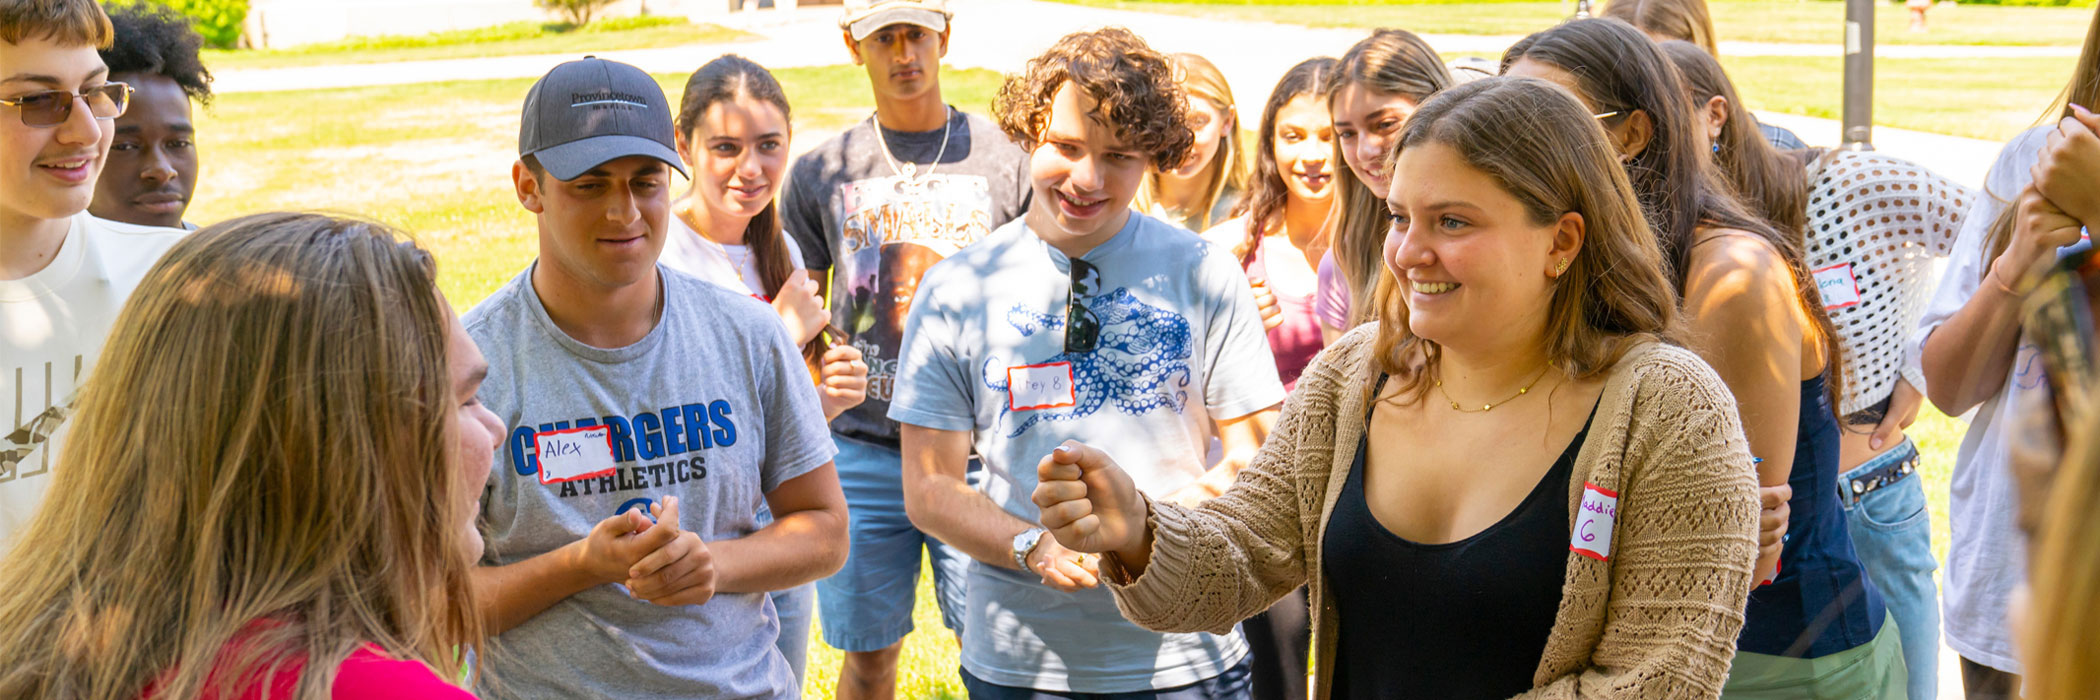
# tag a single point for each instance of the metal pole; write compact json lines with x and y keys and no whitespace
{"x":1582,"y":9}
{"x":1859,"y":75}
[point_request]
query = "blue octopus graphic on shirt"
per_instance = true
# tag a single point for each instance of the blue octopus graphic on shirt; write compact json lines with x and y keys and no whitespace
{"x":1141,"y":363}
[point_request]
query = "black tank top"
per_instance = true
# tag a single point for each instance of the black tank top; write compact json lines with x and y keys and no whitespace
{"x":1467,"y":619}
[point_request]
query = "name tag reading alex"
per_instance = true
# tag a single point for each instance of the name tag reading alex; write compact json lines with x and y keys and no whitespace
{"x":1839,"y":287}
{"x":1593,"y":524}
{"x":1032,"y":387}
{"x":576,"y":453}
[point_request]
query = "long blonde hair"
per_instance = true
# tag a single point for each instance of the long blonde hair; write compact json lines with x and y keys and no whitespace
{"x":257,"y":477}
{"x":2063,"y":623}
{"x":2083,"y":90}
{"x":1227,"y":170}
{"x":1394,"y":62}
{"x":1555,"y":160}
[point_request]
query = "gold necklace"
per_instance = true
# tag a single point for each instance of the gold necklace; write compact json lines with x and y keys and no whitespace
{"x":1489,"y":407}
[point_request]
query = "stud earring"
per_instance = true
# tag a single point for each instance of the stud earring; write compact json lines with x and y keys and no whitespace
{"x":1560,"y":268}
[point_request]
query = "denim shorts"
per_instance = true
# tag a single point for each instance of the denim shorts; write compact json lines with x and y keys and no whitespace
{"x":867,"y":605}
{"x":1884,"y":501}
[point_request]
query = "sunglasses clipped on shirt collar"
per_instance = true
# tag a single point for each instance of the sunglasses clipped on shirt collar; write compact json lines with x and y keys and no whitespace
{"x":1082,"y":327}
{"x":54,"y":107}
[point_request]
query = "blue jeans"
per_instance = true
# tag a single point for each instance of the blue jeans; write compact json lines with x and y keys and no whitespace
{"x":1234,"y":684}
{"x":867,"y":605}
{"x":1892,"y":532}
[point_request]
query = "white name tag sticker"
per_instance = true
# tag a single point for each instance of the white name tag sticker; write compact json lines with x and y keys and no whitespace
{"x":1593,"y":523}
{"x":1838,"y":286}
{"x":576,"y":453}
{"x":1031,"y":387}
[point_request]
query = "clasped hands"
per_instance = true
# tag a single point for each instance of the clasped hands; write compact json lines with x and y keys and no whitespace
{"x":659,"y":562}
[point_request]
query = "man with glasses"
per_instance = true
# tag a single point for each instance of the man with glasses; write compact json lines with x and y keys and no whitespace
{"x":1081,"y":320}
{"x":872,"y":209}
{"x":63,"y":273}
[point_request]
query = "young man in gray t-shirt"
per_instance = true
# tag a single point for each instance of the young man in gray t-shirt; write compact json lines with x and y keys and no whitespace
{"x":871,"y":209}
{"x":1080,"y":320}
{"x":647,"y":416}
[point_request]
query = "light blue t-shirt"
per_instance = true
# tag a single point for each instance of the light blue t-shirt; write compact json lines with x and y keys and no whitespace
{"x":1181,"y":343}
{"x":713,"y":406}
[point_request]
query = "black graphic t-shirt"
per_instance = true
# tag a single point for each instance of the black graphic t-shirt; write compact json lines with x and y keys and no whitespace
{"x":877,"y":231}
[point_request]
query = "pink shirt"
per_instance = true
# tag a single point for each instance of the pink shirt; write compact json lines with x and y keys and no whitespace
{"x":368,"y":674}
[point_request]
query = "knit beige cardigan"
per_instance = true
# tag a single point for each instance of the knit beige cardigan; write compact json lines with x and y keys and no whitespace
{"x":1657,"y":620}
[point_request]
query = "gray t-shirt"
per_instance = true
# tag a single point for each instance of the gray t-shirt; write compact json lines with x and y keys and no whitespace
{"x":877,"y":233}
{"x":713,"y":406}
{"x":1181,"y":343}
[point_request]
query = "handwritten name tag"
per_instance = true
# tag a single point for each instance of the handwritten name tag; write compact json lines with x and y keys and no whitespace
{"x":576,"y":453}
{"x":1838,"y":286}
{"x":1593,"y":524}
{"x":1032,"y":387}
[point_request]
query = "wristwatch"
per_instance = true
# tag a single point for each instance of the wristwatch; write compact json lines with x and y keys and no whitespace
{"x":1025,"y":543}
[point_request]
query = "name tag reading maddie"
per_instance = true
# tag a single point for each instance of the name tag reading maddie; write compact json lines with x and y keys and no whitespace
{"x":1593,"y":523}
{"x":1839,"y":287}
{"x":1032,"y":387}
{"x":576,"y":453}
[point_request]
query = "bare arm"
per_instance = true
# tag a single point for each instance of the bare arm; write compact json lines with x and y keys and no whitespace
{"x":507,"y":596}
{"x":1747,"y":324}
{"x":1967,"y":358}
{"x":940,"y":502}
{"x":806,"y":542}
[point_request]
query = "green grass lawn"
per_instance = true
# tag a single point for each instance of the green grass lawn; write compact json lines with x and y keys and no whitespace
{"x":1990,"y":99}
{"x":516,"y":38}
{"x":1785,"y":21}
{"x":435,"y":160}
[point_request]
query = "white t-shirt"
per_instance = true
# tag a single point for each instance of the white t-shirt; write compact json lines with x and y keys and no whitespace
{"x":731,"y":266}
{"x":52,"y":326}
{"x":1987,"y":559}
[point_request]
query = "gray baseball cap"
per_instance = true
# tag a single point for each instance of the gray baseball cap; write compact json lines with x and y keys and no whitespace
{"x":585,"y":113}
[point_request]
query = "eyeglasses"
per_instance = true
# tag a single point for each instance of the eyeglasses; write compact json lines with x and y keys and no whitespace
{"x":54,"y":107}
{"x":1082,"y":327}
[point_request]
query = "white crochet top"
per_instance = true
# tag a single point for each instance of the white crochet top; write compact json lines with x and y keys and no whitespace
{"x":1874,"y":223}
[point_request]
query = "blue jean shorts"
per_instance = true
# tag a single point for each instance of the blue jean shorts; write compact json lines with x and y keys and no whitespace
{"x":1885,"y":511}
{"x":867,"y":605}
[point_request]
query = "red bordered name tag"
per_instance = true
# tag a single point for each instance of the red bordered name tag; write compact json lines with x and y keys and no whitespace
{"x":1593,"y":523}
{"x":575,"y":453}
{"x":1839,"y":287}
{"x":1031,"y":387}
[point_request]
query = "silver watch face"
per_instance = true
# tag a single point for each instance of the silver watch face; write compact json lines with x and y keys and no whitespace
{"x":1025,"y":542}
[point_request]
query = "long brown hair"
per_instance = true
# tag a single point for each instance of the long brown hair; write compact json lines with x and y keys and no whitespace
{"x":2084,"y":91}
{"x":258,"y":477}
{"x":1393,"y":62}
{"x":1774,"y":183}
{"x":722,"y":80}
{"x":1681,"y":20}
{"x":1227,"y":169}
{"x":1621,"y":70}
{"x":1267,"y":195}
{"x":1555,"y":160}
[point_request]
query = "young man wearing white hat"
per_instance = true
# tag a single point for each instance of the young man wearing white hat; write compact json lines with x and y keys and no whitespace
{"x":872,"y":209}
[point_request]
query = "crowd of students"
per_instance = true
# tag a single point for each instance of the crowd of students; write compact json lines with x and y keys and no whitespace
{"x":1572,"y":380}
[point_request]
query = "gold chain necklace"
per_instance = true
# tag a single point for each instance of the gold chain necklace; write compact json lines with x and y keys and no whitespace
{"x":1489,"y":407}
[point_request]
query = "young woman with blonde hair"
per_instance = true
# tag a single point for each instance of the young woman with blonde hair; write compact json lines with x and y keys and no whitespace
{"x":272,"y":482}
{"x":1207,"y":188}
{"x":1609,"y":553}
{"x":1378,"y":83}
